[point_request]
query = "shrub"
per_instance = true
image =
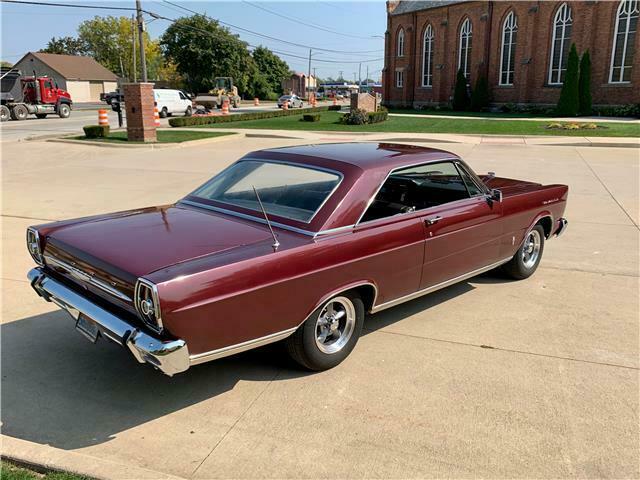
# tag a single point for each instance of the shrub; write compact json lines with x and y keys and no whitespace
{"x":480,"y":95}
{"x":311,"y":117}
{"x":460,"y":94}
{"x":96,"y":131}
{"x":569,"y":103}
{"x":379,"y":116}
{"x":335,"y":107}
{"x":260,"y":115}
{"x":584,"y":85}
{"x":618,"y":110}
{"x":357,"y":116}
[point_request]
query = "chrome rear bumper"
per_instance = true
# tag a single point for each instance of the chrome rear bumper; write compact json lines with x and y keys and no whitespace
{"x":562,"y":226}
{"x":170,"y":357}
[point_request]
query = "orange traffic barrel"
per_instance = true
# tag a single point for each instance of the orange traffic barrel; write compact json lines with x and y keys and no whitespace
{"x":335,"y":100}
{"x":103,"y":118}
{"x":225,"y":107}
{"x":285,"y":105}
{"x":156,"y":117}
{"x":256,"y":101}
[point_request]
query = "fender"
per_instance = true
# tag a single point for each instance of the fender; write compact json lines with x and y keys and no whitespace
{"x":344,"y":288}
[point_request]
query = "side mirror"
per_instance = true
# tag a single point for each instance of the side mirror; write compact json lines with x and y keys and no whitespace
{"x":496,"y":195}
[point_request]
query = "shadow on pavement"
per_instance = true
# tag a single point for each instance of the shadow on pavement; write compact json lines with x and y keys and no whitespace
{"x":61,"y":390}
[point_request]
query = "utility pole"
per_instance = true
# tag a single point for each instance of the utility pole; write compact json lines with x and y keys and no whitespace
{"x":309,"y":77}
{"x":340,"y":75}
{"x":133,"y":45}
{"x":143,"y":60}
{"x":366,"y":80}
{"x":359,"y":76}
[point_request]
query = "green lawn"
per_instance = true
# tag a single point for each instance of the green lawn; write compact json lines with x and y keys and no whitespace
{"x":329,"y":122}
{"x":9,"y":471}
{"x":453,"y":113}
{"x":164,"y":136}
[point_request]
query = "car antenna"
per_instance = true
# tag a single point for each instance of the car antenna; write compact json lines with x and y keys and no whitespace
{"x":276,"y":243}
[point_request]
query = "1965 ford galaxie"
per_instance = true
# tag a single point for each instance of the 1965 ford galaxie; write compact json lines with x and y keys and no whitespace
{"x":292,"y":244}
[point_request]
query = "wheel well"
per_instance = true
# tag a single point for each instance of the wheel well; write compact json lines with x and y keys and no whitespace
{"x":546,"y":224}
{"x":367,"y":293}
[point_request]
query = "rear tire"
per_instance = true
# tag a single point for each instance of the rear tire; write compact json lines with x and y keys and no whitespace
{"x":19,"y":112}
{"x":330,"y":333}
{"x":164,"y":113}
{"x":188,"y":112}
{"x":526,"y":260}
{"x":5,"y":114}
{"x":64,"y":110}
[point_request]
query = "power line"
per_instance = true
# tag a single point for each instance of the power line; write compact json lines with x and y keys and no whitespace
{"x":268,"y":36}
{"x":302,"y":22}
{"x":69,"y":5}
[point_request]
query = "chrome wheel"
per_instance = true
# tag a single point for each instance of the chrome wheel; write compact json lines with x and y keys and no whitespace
{"x":531,"y":249}
{"x":335,"y":325}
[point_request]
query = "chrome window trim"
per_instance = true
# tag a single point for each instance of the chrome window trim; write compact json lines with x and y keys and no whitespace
{"x":483,"y":188}
{"x":156,"y":304}
{"x":433,"y":288}
{"x":281,"y":162}
{"x":417,"y":164}
{"x":82,"y":276}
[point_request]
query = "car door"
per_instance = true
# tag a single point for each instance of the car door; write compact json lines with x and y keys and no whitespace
{"x":461,"y":235}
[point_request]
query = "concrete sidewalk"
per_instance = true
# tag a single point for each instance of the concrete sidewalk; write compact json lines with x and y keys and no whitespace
{"x":488,"y":378}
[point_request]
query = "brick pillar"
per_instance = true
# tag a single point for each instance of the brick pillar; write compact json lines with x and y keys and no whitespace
{"x":139,"y":101}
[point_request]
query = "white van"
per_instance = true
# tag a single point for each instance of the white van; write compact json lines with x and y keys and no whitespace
{"x":170,"y":102}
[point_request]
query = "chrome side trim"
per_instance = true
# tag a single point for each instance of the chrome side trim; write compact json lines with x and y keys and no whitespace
{"x":345,"y":289}
{"x":168,"y":356}
{"x":82,"y":276}
{"x":240,"y":347}
{"x":433,"y":288}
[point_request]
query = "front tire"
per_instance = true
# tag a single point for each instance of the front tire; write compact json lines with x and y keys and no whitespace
{"x":330,"y":333}
{"x":64,"y":111}
{"x":526,"y":260}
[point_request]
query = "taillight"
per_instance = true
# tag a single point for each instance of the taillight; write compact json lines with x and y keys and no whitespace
{"x":147,"y":304}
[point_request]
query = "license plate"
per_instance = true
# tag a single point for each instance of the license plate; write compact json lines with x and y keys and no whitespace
{"x":88,"y":328}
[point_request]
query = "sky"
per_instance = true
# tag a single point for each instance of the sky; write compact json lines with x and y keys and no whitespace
{"x":354,"y":26}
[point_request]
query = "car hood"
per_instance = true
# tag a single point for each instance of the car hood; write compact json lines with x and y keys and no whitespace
{"x":142,"y":241}
{"x":509,"y":186}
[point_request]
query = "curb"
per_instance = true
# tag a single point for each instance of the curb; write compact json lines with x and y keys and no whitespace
{"x":150,"y":146}
{"x":44,"y":457}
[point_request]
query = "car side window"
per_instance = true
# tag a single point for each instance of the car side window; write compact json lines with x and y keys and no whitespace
{"x":416,"y":188}
{"x":473,"y":189}
{"x":182,"y":96}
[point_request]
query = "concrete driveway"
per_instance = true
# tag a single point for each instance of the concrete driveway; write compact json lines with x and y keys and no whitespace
{"x":488,"y":378}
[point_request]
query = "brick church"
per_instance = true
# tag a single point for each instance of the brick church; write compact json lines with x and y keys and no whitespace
{"x":521,"y":47}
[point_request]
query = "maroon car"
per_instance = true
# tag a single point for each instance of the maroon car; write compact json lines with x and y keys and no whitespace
{"x":293,"y":244}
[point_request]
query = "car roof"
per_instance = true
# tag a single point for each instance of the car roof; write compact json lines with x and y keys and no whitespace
{"x":365,"y":155}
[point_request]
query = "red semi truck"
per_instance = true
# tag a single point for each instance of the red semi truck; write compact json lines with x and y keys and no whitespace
{"x":21,"y":96}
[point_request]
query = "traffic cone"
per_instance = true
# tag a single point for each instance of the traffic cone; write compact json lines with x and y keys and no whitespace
{"x":225,"y":107}
{"x":156,"y":117}
{"x":256,"y":101}
{"x":335,"y":100}
{"x":103,"y":118}
{"x":285,"y":105}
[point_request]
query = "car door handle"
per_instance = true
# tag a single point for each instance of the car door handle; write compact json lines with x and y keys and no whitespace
{"x":432,"y":220}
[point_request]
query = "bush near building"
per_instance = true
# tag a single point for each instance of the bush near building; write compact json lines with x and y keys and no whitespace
{"x":569,"y":103}
{"x":480,"y":95}
{"x":460,"y":96}
{"x":96,"y":131}
{"x":584,"y":84}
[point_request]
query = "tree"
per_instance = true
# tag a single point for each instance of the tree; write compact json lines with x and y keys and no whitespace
{"x":66,"y":46}
{"x":460,"y":94}
{"x":480,"y":94}
{"x":201,"y":50}
{"x":584,"y":85}
{"x":272,"y":67}
{"x":109,"y":40}
{"x":4,"y":64}
{"x":569,"y":102}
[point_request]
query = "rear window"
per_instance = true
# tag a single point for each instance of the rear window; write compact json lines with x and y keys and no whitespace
{"x":288,"y":191}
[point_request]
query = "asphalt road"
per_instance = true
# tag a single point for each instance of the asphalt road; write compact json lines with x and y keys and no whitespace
{"x":54,"y":125}
{"x":489,"y":378}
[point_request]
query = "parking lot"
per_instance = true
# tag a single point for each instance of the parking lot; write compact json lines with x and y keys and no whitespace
{"x":487,"y":378}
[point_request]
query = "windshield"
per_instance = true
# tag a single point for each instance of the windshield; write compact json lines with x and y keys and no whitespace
{"x":288,"y":191}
